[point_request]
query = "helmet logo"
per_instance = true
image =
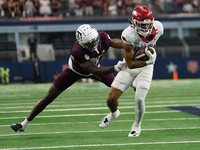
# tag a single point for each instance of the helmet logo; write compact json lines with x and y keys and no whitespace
{"x":79,"y":35}
{"x":135,"y":13}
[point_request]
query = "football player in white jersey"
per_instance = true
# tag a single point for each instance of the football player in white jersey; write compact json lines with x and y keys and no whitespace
{"x":142,"y":33}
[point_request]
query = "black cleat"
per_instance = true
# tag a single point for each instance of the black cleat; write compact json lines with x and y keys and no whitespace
{"x":17,"y":127}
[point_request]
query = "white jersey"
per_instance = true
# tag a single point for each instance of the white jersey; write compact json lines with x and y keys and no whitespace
{"x":143,"y":75}
{"x":130,"y":36}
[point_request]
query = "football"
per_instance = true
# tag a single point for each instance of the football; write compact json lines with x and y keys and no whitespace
{"x":141,"y":55}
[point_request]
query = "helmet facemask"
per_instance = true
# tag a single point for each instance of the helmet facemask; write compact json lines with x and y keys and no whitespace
{"x":92,"y":44}
{"x":140,"y":30}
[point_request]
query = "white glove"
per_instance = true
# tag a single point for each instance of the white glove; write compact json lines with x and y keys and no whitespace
{"x":120,"y":66}
{"x":152,"y":57}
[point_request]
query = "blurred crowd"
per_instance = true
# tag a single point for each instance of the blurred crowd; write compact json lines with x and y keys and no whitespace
{"x":66,"y":8}
{"x":177,"y":6}
{"x":79,"y":8}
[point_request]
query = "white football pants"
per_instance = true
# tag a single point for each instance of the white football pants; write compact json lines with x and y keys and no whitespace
{"x":142,"y":78}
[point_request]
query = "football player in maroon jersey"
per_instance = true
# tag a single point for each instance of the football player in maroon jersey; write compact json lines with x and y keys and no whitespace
{"x":84,"y":62}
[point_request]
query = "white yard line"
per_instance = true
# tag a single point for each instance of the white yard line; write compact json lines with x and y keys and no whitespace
{"x":103,"y":145}
{"x":78,"y":115}
{"x":103,"y":99}
{"x":69,"y":109}
{"x":60,"y":123}
{"x":3,"y":106}
{"x":94,"y":131}
{"x":93,"y":108}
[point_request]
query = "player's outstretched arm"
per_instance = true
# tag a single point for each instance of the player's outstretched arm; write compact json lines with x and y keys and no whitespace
{"x":116,"y":43}
{"x":90,"y":67}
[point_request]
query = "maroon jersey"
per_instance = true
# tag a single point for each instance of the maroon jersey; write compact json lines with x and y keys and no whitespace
{"x":80,"y":54}
{"x":74,"y":71}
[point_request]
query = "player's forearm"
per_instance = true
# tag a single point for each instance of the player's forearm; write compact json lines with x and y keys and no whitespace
{"x":131,"y":64}
{"x":136,"y":64}
{"x":129,"y":57}
{"x":116,"y":43}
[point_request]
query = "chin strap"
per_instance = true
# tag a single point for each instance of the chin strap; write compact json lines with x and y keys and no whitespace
{"x":96,"y":50}
{"x":130,"y":21}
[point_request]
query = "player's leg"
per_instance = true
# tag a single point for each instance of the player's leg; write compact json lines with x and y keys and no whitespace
{"x":133,"y":85}
{"x":143,"y":81}
{"x":62,"y":82}
{"x":112,"y":103}
{"x":7,"y":79}
{"x":3,"y":80}
{"x":119,"y":85}
{"x":112,"y":100}
{"x":107,"y":79}
{"x":43,"y":102}
{"x":140,"y":95}
{"x":39,"y":107}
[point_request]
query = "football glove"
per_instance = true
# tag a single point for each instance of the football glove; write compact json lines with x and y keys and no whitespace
{"x":152,"y":57}
{"x":120,"y":66}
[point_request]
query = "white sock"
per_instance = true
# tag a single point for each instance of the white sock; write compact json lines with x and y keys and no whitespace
{"x":136,"y":129}
{"x":114,"y":113}
{"x":25,"y":123}
{"x":139,"y":106}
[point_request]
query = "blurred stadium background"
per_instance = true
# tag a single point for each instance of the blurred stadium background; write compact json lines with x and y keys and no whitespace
{"x":178,"y":49}
{"x":172,"y":115}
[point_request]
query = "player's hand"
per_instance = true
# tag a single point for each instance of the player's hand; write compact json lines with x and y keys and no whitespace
{"x":152,"y":57}
{"x":120,"y":66}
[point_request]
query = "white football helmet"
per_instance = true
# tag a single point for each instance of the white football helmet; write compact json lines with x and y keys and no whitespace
{"x":88,"y":37}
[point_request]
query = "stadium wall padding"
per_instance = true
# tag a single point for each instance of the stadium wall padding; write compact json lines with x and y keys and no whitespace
{"x":163,"y":69}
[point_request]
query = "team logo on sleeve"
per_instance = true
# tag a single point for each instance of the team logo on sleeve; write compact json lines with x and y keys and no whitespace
{"x":137,"y":41}
{"x":87,"y":57}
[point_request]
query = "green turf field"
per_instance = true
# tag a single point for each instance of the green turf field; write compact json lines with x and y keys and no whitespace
{"x":72,"y":120}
